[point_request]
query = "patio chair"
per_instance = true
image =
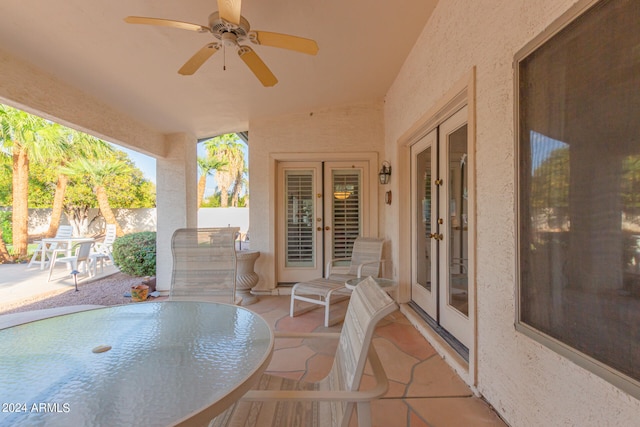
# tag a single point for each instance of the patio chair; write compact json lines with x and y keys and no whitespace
{"x":204,"y":265}
{"x":81,"y":257}
{"x":366,"y":258}
{"x":44,"y":253}
{"x":106,"y":246}
{"x":329,"y":402}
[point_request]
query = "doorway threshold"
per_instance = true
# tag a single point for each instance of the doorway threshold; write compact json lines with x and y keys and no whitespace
{"x":456,"y":345}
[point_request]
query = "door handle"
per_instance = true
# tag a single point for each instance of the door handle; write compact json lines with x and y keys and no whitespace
{"x":436,"y":236}
{"x":327,"y":228}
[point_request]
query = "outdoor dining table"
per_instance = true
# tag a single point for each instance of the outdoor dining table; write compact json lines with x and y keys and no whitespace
{"x":152,"y":363}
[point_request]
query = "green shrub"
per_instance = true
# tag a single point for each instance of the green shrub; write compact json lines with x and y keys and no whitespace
{"x":5,"y":223}
{"x":135,"y":253}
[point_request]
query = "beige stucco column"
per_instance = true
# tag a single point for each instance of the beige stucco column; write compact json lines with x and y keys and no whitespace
{"x":176,"y":176}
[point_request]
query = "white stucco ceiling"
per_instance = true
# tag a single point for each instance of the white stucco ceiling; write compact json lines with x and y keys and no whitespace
{"x":133,"y":68}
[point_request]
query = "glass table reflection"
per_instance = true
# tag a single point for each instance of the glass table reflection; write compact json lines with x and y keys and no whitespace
{"x":169,"y":363}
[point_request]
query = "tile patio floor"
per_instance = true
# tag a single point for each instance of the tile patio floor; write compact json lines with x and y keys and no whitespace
{"x":423,"y":390}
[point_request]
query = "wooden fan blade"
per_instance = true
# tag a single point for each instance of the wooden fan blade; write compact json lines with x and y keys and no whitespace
{"x":196,"y":61}
{"x":166,"y":23}
{"x":284,"y":41}
{"x":255,"y":64}
{"x":229,"y":10}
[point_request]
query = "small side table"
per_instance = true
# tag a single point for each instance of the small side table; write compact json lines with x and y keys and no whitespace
{"x":246,"y":277}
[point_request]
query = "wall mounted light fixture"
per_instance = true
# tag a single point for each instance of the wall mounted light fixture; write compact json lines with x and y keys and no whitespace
{"x":385,"y":173}
{"x":387,"y":197}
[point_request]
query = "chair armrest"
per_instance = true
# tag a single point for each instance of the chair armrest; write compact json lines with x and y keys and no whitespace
{"x":380,"y":388}
{"x":330,"y":264}
{"x":367,"y":263}
{"x":55,"y":252}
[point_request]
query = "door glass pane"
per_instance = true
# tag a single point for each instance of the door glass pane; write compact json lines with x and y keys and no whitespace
{"x":347,"y":205}
{"x":299,"y":233}
{"x":423,"y":219}
{"x":458,"y":221}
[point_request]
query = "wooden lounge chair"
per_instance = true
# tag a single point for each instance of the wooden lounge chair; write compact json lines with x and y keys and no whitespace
{"x":204,"y":265}
{"x":279,"y":401}
{"x":366,"y":258}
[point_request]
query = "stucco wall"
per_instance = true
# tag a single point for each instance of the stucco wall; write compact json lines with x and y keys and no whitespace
{"x":527,"y":383}
{"x":355,"y":128}
{"x":26,"y":87}
{"x":131,"y":220}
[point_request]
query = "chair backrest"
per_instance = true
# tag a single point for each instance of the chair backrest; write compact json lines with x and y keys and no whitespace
{"x":83,"y":250}
{"x":368,"y":305}
{"x":204,"y":262}
{"x":64,"y":232}
{"x":110,"y":235}
{"x":366,"y":249}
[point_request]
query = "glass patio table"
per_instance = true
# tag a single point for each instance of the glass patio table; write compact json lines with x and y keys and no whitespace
{"x":166,"y":363}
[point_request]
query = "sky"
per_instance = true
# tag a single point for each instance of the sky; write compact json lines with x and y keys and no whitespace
{"x":145,"y":163}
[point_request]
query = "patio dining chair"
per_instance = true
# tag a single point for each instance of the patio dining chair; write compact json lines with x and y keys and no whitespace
{"x":279,"y":401}
{"x":42,"y":253}
{"x":366,"y":259}
{"x":106,"y":246}
{"x":81,"y":257}
{"x":204,"y":265}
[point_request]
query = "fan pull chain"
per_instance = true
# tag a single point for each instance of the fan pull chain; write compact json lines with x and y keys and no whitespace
{"x":224,"y":57}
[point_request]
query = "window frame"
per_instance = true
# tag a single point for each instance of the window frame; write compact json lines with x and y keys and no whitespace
{"x":613,"y":376}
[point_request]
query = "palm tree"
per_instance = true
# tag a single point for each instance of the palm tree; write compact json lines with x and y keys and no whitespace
{"x":25,"y":135}
{"x":227,"y":148}
{"x":208,"y":166}
{"x":5,"y":164}
{"x":99,"y":171}
{"x":4,"y":254}
{"x":238,"y":183}
{"x":80,"y":145}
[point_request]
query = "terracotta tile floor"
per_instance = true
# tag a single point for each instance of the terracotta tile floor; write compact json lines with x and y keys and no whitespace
{"x":423,"y":389}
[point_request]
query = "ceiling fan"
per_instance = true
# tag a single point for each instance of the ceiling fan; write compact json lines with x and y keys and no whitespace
{"x":230,"y":29}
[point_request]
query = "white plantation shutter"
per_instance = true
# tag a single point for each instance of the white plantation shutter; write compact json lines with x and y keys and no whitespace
{"x":299,"y":222}
{"x":347,"y":210}
{"x":322,"y":208}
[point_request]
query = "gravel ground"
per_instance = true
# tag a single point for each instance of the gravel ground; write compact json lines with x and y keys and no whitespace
{"x":107,"y":291}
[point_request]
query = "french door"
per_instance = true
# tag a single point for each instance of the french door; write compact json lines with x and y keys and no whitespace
{"x":440,"y":226}
{"x":321,"y":211}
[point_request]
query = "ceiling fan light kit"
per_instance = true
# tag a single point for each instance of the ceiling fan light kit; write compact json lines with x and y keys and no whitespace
{"x":231,"y":29}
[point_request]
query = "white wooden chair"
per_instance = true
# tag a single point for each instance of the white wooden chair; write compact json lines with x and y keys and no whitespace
{"x":44,"y":253}
{"x":103,"y":249}
{"x":366,"y":259}
{"x":204,"y":265}
{"x":81,"y":257}
{"x":283,"y":402}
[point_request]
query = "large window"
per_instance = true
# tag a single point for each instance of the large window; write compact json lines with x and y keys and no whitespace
{"x":579,"y":189}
